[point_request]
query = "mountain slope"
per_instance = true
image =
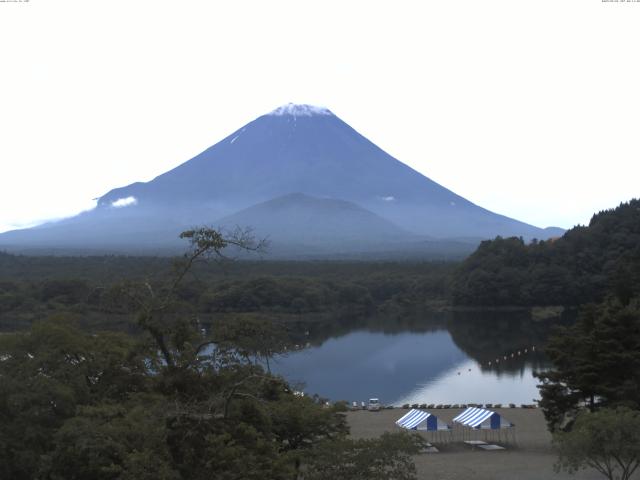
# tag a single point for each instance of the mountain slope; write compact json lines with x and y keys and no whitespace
{"x":310,"y":150}
{"x":295,"y":148}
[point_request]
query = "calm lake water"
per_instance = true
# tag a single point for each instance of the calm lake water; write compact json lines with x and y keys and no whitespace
{"x":439,"y":365}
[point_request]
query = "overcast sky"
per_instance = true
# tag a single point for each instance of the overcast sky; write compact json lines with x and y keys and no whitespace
{"x":528,"y":108}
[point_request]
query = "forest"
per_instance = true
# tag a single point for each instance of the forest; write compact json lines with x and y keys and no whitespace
{"x":150,"y":367}
{"x":173,"y":400}
{"x":90,"y":289}
{"x":583,"y":266}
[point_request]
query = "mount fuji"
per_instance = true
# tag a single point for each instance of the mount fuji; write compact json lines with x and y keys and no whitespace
{"x":298,"y":175}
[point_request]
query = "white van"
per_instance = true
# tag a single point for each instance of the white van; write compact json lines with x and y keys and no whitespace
{"x":374,"y":405}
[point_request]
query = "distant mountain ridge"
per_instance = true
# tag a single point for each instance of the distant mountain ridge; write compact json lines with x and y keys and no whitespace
{"x":296,"y":149}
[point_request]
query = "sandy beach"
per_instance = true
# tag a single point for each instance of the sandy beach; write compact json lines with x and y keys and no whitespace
{"x":530,"y":458}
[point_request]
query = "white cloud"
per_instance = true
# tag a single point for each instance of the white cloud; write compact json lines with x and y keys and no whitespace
{"x":388,"y":198}
{"x":124,"y":202}
{"x":6,"y":227}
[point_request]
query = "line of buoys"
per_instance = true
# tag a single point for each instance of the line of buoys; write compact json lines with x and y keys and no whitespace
{"x":512,"y":355}
{"x":506,"y":357}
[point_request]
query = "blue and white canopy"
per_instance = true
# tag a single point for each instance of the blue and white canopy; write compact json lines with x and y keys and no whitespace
{"x":480,"y":418}
{"x":420,"y":420}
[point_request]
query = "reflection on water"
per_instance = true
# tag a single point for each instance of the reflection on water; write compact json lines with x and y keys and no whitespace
{"x":427,"y":365}
{"x":360,"y":365}
{"x":467,"y":383}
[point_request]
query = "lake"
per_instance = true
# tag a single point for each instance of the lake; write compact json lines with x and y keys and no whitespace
{"x":467,"y":359}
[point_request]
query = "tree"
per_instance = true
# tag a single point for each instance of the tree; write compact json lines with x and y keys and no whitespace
{"x":175,"y":336}
{"x":607,"y":440}
{"x":596,"y":363}
{"x":109,"y":442}
{"x":48,"y":374}
{"x":252,"y":338}
{"x":225,"y":414}
{"x":384,"y":458}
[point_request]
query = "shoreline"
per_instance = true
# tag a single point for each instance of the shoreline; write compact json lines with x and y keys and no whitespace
{"x":448,"y":406}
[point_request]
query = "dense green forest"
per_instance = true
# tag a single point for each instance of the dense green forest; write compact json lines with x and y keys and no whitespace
{"x":596,"y":362}
{"x":583,"y":266}
{"x":175,"y":400}
{"x":90,"y":289}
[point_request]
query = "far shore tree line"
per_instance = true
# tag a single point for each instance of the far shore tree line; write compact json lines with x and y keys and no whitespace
{"x":586,"y":265}
{"x":33,"y":288}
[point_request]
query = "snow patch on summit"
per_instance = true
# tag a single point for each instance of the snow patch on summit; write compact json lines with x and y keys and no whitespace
{"x":300,"y":110}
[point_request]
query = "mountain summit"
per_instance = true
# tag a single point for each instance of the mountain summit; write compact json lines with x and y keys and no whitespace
{"x":300,"y":110}
{"x":300,"y":149}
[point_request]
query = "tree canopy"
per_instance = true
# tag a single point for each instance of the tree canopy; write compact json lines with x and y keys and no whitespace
{"x":173,"y":402}
{"x":582,"y":266}
{"x":607,"y":440}
{"x":596,"y":363}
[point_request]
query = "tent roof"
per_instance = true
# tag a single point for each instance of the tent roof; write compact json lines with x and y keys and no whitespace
{"x":412,"y":419}
{"x":473,"y":417}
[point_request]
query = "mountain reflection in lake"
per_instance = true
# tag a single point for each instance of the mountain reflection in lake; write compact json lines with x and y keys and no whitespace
{"x":436,"y":366}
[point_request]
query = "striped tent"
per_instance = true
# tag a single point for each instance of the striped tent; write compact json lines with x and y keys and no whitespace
{"x":427,"y":423}
{"x":418,"y":420}
{"x":480,"y":418}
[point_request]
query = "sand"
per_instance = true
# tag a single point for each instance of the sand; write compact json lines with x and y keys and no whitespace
{"x":530,"y":458}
